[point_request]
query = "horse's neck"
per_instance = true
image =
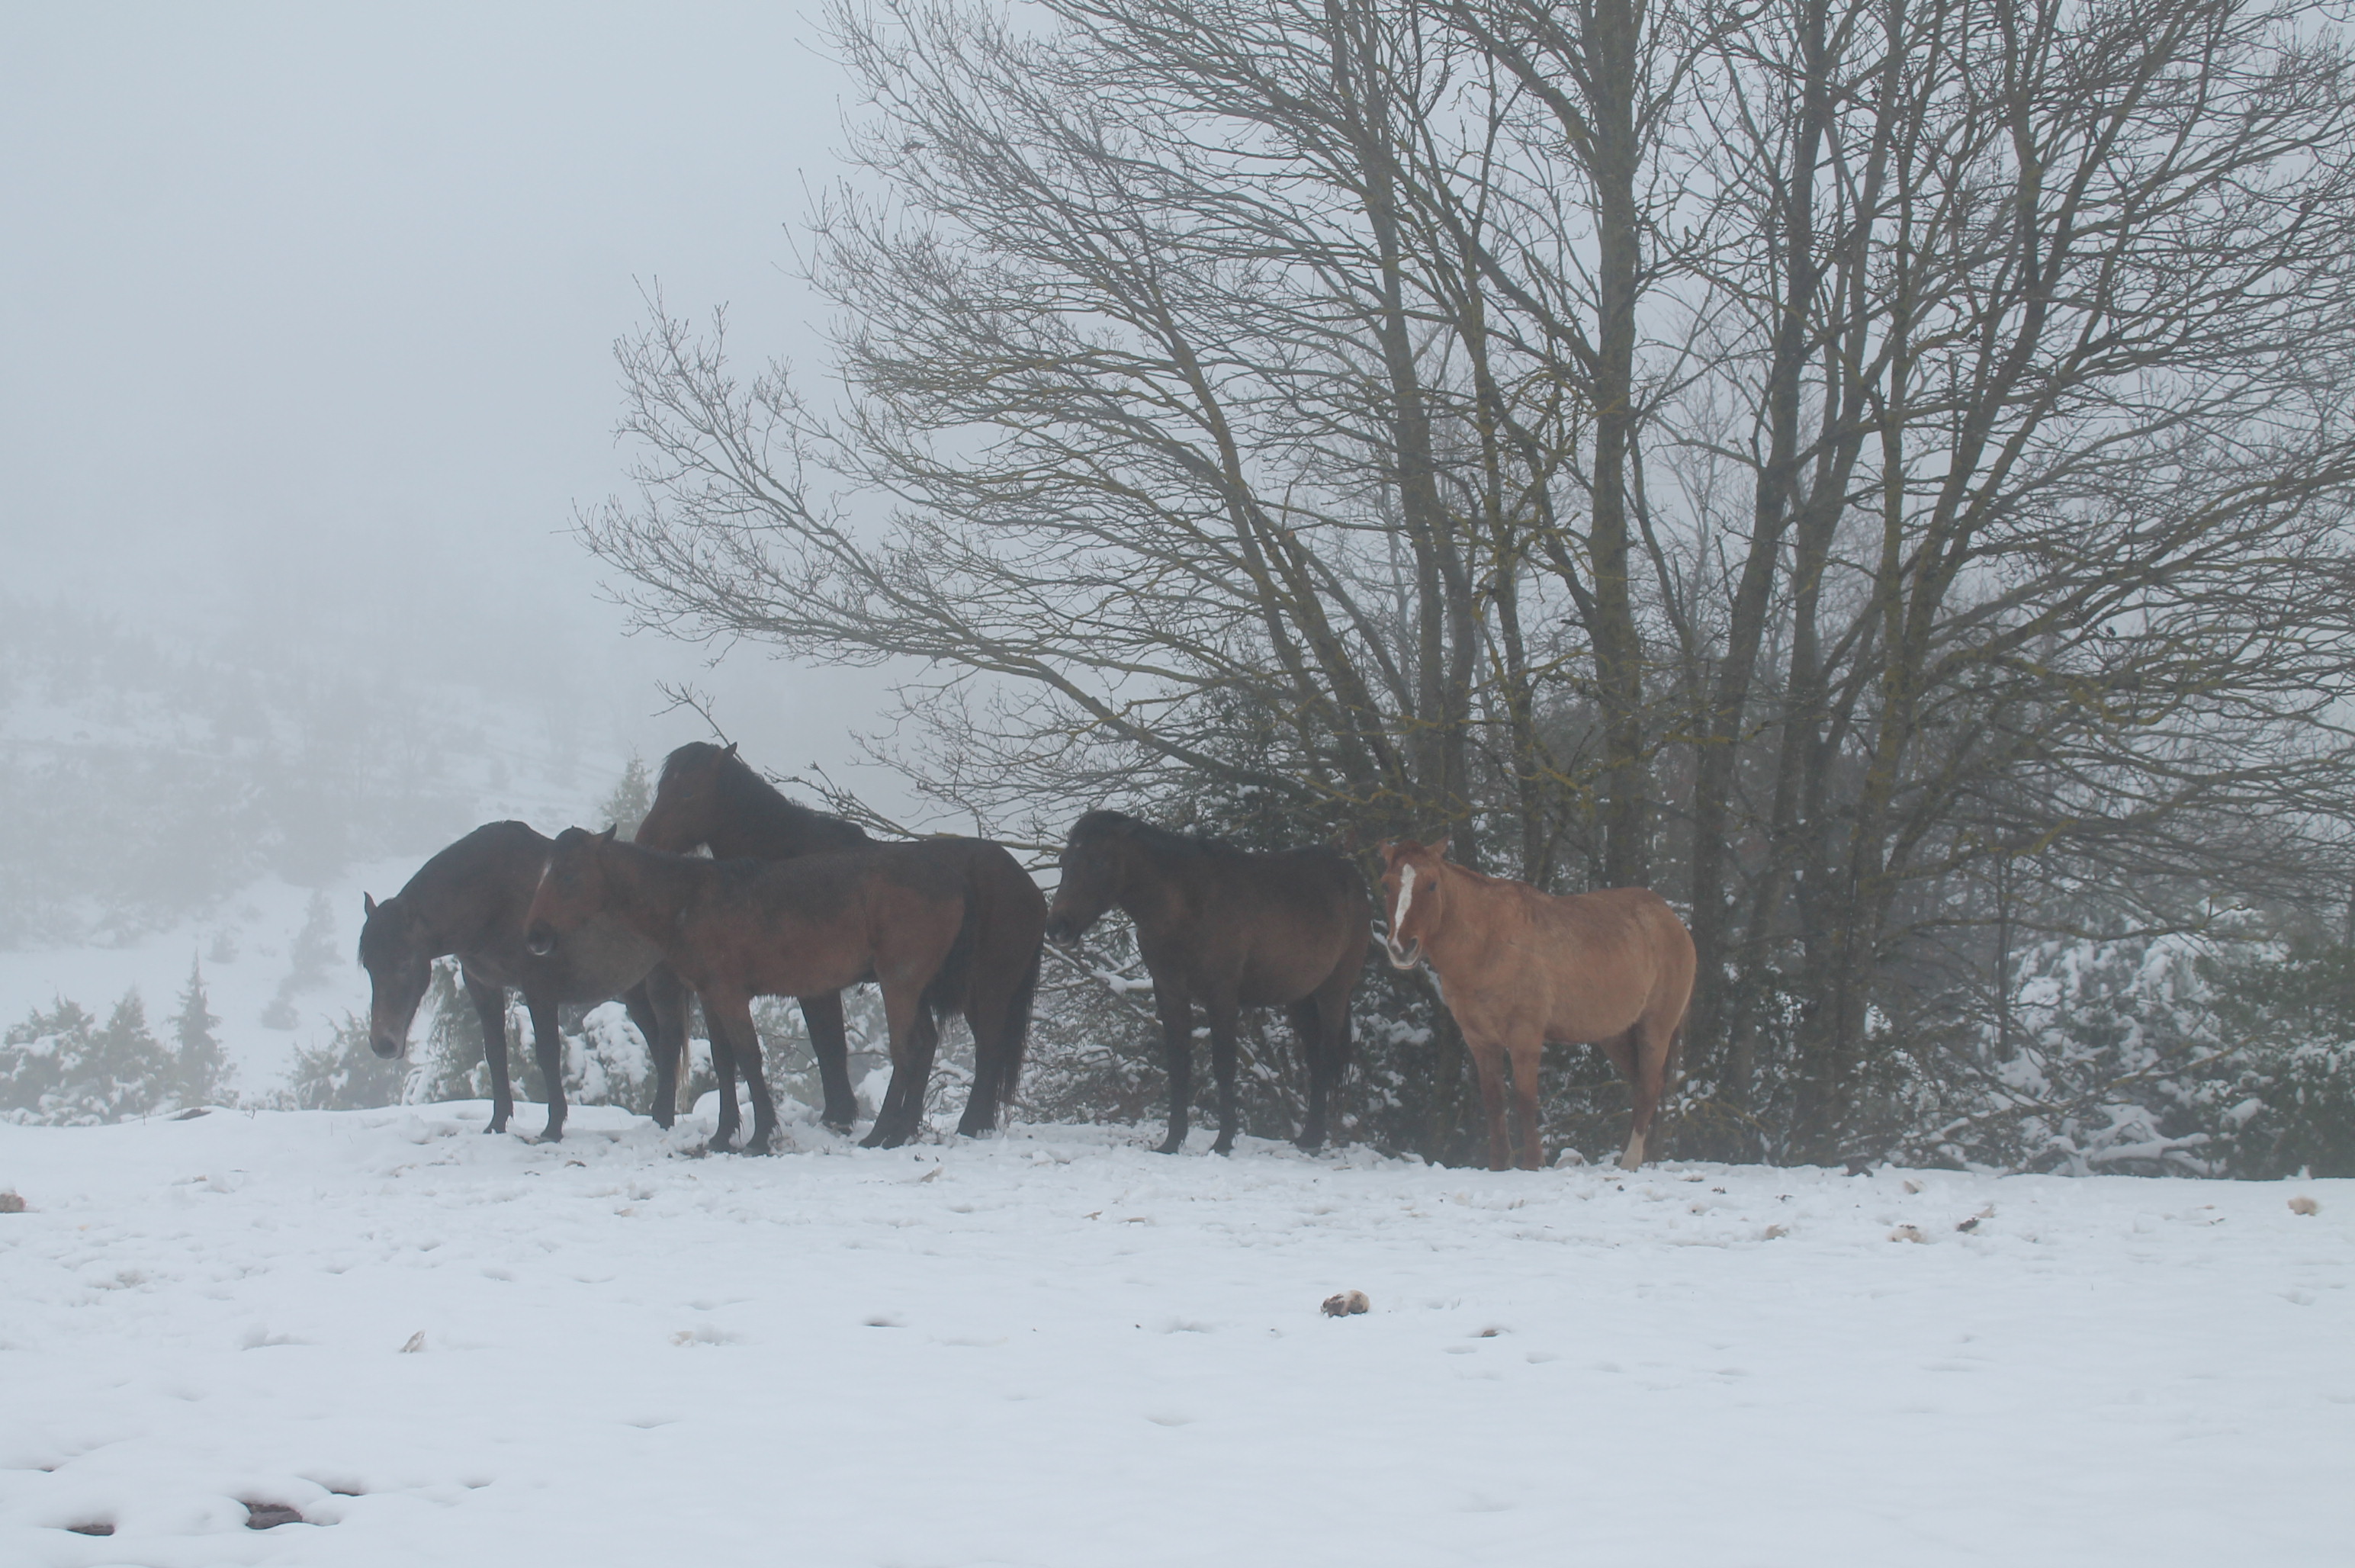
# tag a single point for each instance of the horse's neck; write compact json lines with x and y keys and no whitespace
{"x":463,"y":910}
{"x":654,"y":888}
{"x":1464,"y":918}
{"x":1150,"y":893}
{"x":756,"y":822}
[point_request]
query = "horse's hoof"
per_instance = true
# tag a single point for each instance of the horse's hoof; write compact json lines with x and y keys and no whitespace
{"x":1224,"y":1145}
{"x":1307,"y":1144}
{"x":1170,"y":1145}
{"x":495,"y":1127}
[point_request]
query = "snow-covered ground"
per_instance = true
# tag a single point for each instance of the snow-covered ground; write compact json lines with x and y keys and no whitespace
{"x":1053,"y":1347}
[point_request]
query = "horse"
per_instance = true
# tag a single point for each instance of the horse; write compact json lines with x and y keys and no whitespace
{"x":469,"y":899}
{"x":1233,"y":928}
{"x":708,"y":798}
{"x":936,"y":930}
{"x":1519,"y":968}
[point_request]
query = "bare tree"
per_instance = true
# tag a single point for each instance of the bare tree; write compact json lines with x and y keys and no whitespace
{"x":1879,"y":470}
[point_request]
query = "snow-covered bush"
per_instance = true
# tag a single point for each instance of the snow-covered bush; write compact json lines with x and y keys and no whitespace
{"x":59,"y":1068}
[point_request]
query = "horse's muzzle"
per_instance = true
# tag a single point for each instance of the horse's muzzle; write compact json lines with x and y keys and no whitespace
{"x":384,"y":1045}
{"x":1062,"y":931}
{"x":540,"y":940}
{"x":1405,"y":957}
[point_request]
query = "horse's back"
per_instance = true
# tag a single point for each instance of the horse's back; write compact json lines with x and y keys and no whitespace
{"x":1623,"y":949}
{"x":1293,"y":917}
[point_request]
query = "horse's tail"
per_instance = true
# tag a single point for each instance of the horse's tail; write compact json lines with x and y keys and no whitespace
{"x":944,"y":992}
{"x":1014,"y":1035}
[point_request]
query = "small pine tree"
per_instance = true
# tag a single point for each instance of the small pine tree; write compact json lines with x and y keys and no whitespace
{"x":203,"y":1071}
{"x":61,"y":1069}
{"x":629,"y":801}
{"x":39,"y":1056}
{"x":310,"y":961}
{"x":129,"y":1072}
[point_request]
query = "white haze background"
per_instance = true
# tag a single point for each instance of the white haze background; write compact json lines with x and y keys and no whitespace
{"x":306,"y":315}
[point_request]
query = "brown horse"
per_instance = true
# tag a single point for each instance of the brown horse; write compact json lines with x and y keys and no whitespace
{"x":1519,"y":968}
{"x":469,"y":899}
{"x":709,"y":799}
{"x":915,"y":916}
{"x":1233,"y":929}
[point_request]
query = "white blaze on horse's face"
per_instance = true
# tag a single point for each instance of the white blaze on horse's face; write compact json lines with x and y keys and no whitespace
{"x":1401,"y":955}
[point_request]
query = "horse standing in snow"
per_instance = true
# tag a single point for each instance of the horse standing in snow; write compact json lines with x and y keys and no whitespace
{"x":939,"y":924}
{"x":709,"y":799}
{"x":469,"y":899}
{"x":1232,"y":929}
{"x":1519,"y":968}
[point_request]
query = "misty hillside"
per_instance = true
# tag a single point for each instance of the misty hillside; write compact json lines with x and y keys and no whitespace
{"x":142,"y":783}
{"x":165,"y":803}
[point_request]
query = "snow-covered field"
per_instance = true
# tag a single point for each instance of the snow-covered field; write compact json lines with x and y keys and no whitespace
{"x":1053,"y":1347}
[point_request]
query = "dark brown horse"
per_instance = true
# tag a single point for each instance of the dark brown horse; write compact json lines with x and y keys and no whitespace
{"x":933,"y":929}
{"x":1520,"y":968}
{"x":469,"y":901}
{"x":709,"y":799}
{"x":1232,"y":929}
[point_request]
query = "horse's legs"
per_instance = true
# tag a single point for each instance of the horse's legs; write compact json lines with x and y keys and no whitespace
{"x":914,"y":1035}
{"x":1329,"y":1060}
{"x":830,"y":1043}
{"x":1527,"y":1055}
{"x":1308,"y":1029}
{"x":1488,"y":1057}
{"x":1621,"y":1050}
{"x":1650,"y":1045}
{"x":1222,"y":1012}
{"x":491,"y":1008}
{"x":547,"y":1045}
{"x":1177,"y":1010}
{"x":724,"y":1079}
{"x":662,"y":1046}
{"x":731,"y":1020}
{"x":986,"y":1014}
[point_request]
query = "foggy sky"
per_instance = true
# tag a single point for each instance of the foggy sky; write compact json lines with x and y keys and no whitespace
{"x":306,"y":315}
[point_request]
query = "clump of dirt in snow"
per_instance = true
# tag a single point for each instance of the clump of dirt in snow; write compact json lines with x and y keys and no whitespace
{"x":1346,"y":1304}
{"x":2301,"y":1204}
{"x":11,"y":1205}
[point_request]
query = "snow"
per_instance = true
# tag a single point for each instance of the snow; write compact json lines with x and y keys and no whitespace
{"x":1053,"y":1347}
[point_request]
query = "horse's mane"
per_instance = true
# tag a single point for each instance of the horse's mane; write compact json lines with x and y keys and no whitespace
{"x":1165,"y":841}
{"x":745,"y":791}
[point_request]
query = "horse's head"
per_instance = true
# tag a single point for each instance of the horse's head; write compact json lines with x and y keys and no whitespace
{"x":1411,"y":897}
{"x":397,"y":951}
{"x":571,"y":890}
{"x":1091,"y":863}
{"x":687,"y":799}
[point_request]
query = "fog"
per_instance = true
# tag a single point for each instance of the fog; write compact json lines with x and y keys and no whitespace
{"x":306,"y":314}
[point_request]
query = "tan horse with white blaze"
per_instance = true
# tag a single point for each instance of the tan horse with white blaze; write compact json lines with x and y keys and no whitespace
{"x":1519,"y":968}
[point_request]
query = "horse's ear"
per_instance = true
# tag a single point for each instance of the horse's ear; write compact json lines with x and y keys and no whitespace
{"x":607,"y":837}
{"x":1440,"y":848}
{"x":368,"y":904}
{"x":731,"y":751}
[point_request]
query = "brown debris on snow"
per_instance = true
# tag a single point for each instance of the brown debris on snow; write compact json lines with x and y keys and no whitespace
{"x":2302,"y":1204}
{"x":1346,"y":1304}
{"x":11,"y":1205}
